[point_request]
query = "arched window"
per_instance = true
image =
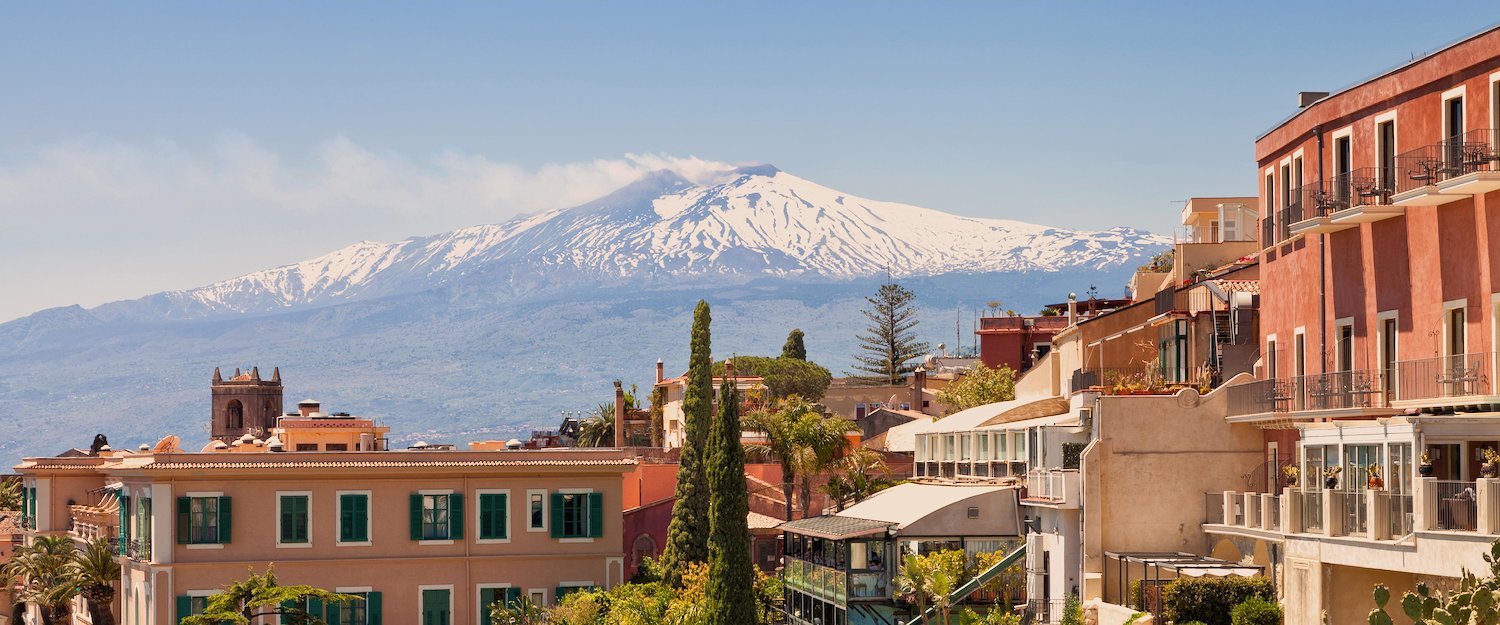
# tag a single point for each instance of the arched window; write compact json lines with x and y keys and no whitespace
{"x":235,"y":413}
{"x":645,"y":546}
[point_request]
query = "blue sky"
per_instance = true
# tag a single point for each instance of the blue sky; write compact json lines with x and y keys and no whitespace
{"x":149,"y":146}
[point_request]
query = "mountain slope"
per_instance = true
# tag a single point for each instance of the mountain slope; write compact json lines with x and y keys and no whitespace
{"x":756,"y":221}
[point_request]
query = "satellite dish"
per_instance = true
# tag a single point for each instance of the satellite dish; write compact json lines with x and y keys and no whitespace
{"x":168,"y":444}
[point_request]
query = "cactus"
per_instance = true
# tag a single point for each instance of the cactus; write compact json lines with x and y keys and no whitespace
{"x":1475,"y":602}
{"x":1378,"y":615}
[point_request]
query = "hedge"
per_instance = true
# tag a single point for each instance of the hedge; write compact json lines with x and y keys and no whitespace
{"x":1256,"y":611}
{"x":1211,"y":599}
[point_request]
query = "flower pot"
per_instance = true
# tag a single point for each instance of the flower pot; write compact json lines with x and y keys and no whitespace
{"x":1376,"y":483}
{"x":1488,"y":469}
{"x":1424,"y":470}
{"x":1291,"y":480}
{"x":1330,"y":483}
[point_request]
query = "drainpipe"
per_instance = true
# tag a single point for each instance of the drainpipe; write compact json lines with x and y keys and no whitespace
{"x":1322,"y":272}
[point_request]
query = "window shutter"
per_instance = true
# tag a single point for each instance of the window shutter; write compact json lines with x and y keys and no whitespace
{"x":26,"y":507}
{"x":184,"y":608}
{"x":287,"y":612}
{"x":456,"y":516}
{"x":226,"y":518}
{"x":124,"y":524}
{"x":512,"y":596}
{"x":184,"y":520}
{"x":335,"y":613}
{"x":372,"y":608}
{"x":416,"y":516}
{"x":315,"y":607}
{"x":596,"y":515}
{"x":362,"y":517}
{"x":486,"y":599}
{"x":557,"y":521}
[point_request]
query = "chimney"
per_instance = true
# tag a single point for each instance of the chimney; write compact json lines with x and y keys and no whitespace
{"x":619,"y":414}
{"x":659,"y":371}
{"x":1307,"y":98}
{"x":1072,"y":309}
{"x":918,"y":384}
{"x":307,"y":407}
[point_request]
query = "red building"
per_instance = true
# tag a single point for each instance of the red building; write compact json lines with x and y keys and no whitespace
{"x":1017,"y":342}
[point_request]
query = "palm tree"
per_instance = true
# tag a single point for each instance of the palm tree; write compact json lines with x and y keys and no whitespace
{"x":97,"y":573}
{"x":10,"y":493}
{"x":802,"y":441}
{"x":862,"y":472}
{"x":49,"y":577}
{"x":598,"y":430}
{"x":914,"y":581}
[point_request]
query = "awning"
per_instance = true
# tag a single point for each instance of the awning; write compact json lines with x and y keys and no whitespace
{"x":836,"y":527}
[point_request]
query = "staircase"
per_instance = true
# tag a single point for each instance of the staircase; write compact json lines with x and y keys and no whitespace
{"x":962,"y":592}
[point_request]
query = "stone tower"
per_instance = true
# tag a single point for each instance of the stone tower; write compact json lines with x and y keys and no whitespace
{"x":245,"y":403}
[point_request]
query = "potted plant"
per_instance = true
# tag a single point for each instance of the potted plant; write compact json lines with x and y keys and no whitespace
{"x":1491,"y":465}
{"x":1331,"y":477}
{"x":1290,"y":473}
{"x":1424,"y":466}
{"x":1374,"y":481}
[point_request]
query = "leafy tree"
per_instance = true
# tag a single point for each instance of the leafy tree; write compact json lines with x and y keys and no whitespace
{"x":983,"y":385}
{"x":10,"y":493}
{"x":802,"y":441}
{"x":731,"y":574}
{"x":598,"y":429}
{"x":1209,"y":599}
{"x":258,"y":598}
{"x":783,"y":377}
{"x":859,"y":474}
{"x":1160,"y":263}
{"x":658,"y":406}
{"x":890,"y":342}
{"x":686,"y":540}
{"x":1072,"y":611}
{"x":522,"y":611}
{"x":48,"y":574}
{"x":930,"y":579}
{"x":794,"y":347}
{"x":97,"y":574}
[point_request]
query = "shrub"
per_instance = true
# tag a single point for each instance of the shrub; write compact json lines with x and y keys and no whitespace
{"x":1210,"y":599}
{"x":1072,"y":611}
{"x":1256,"y":611}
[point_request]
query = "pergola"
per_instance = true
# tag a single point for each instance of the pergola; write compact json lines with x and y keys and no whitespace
{"x":1157,"y":568}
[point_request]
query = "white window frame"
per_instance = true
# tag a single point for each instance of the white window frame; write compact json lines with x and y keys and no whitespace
{"x":544,"y":527}
{"x":366,"y":590}
{"x":217,"y":521}
{"x":439,"y":491}
{"x":481,"y":492}
{"x":533,"y":593}
{"x":576,"y":491}
{"x":1300,"y":332}
{"x":451,"y":599}
{"x":310,"y":525}
{"x":479,"y":588}
{"x":1338,"y":326}
{"x":1448,"y":308}
{"x":1452,"y":94}
{"x":1380,"y":355}
{"x":338,"y":504}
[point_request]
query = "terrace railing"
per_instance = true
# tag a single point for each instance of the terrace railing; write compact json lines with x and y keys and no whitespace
{"x":1312,"y":509}
{"x":1457,"y":507}
{"x":1460,"y":375}
{"x":1322,"y":391}
{"x":1459,"y":155}
{"x":1213,"y":508}
{"x":1399,"y":512}
{"x":1356,"y":514}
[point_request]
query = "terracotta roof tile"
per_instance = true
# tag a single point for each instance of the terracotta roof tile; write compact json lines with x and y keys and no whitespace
{"x":375,"y":464}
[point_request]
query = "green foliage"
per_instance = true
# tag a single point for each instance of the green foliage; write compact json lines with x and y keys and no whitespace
{"x":48,"y":576}
{"x":1210,"y":599}
{"x":794,"y":347}
{"x":983,"y":385}
{"x":784,"y":377}
{"x":1256,"y":611}
{"x":1476,"y":601}
{"x":259,"y":597}
{"x":857,"y":475}
{"x":651,"y":603}
{"x":1072,"y":455}
{"x":658,"y":415}
{"x":731,"y":572}
{"x":1160,"y":263}
{"x":889,"y":343}
{"x":10,"y":493}
{"x":523,"y":611}
{"x":686,"y":540}
{"x":802,"y":440}
{"x":996,"y":616}
{"x":1072,"y":611}
{"x":98,"y":572}
{"x":929,"y":579}
{"x":1137,"y":595}
{"x":1136,"y":617}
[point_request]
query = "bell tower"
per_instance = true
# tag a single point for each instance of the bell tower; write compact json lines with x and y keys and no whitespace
{"x":244,"y":404}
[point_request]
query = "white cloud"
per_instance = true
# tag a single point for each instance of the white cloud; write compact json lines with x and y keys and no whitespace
{"x":90,"y":220}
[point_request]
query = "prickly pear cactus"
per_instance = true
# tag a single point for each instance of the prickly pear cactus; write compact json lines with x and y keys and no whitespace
{"x":1378,"y":615}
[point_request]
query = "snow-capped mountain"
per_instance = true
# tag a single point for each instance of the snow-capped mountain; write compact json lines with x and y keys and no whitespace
{"x":753,"y":222}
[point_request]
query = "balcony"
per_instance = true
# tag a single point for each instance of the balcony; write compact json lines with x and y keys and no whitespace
{"x":1361,"y":196}
{"x":1458,"y":168}
{"x":1339,"y":393}
{"x":1054,"y":488}
{"x":1446,"y":382}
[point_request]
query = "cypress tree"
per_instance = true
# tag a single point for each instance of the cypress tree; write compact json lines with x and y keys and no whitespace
{"x":794,"y":347}
{"x":686,"y":540}
{"x":731,"y":578}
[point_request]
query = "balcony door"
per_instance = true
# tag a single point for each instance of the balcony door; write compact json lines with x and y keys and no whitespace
{"x":1388,"y":356}
{"x":1385,"y":145}
{"x":1343,"y":163}
{"x":1453,"y":122}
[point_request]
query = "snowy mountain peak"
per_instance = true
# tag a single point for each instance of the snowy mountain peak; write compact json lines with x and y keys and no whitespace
{"x":753,"y":221}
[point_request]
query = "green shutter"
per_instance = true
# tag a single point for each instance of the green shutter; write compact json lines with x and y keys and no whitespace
{"x":226,"y":519}
{"x":184,"y":520}
{"x":287,"y":614}
{"x":315,"y":607}
{"x":124,"y":524}
{"x":456,"y":516}
{"x":335,"y":613}
{"x":25,"y":507}
{"x":416,"y":516}
{"x":372,"y":608}
{"x":362,"y":517}
{"x":487,"y":598}
{"x":347,"y":518}
{"x":184,"y":608}
{"x":596,"y":515}
{"x":512,"y":596}
{"x":492,"y":513}
{"x":557,"y":513}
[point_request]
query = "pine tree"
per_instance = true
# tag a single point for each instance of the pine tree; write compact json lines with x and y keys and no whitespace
{"x":794,"y":347}
{"x":731,"y":576}
{"x":686,"y":541}
{"x":891,"y":339}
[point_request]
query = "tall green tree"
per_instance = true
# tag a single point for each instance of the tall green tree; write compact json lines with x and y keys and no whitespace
{"x":686,"y":540}
{"x":802,"y":441}
{"x":48,"y":575}
{"x":731,"y":573}
{"x":890,"y":343}
{"x":10,"y":493}
{"x":794,"y":347}
{"x":259,"y":598}
{"x":98,"y":571}
{"x":783,"y":377}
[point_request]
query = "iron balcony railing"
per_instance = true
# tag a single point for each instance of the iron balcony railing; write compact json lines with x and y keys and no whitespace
{"x":1323,"y":391}
{"x":1459,"y":155}
{"x":1366,"y":186}
{"x":1268,"y":230}
{"x":1459,"y":375}
{"x":1457,"y":508}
